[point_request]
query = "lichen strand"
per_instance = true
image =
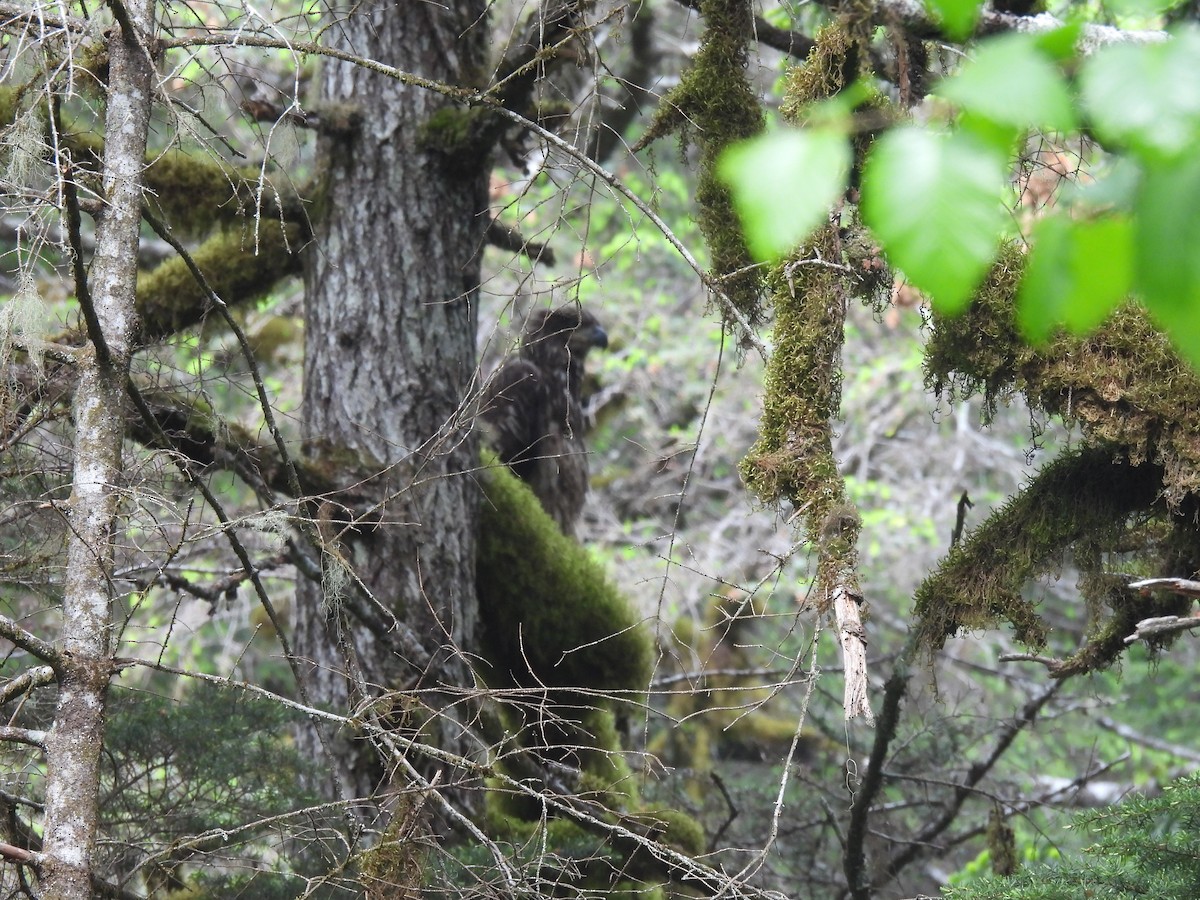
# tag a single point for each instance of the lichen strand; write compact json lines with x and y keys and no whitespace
{"x":169,"y":298}
{"x":551,"y":616}
{"x":1086,"y":496}
{"x":1123,"y":383}
{"x":715,"y":104}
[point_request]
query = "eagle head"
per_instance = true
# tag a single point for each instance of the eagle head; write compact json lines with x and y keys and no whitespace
{"x":563,"y":336}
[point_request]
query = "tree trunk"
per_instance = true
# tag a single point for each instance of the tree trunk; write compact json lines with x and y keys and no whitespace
{"x":390,"y":360}
{"x":84,"y":667}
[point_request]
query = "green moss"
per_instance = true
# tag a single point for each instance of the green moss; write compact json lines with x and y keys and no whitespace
{"x":793,"y":456}
{"x":676,"y":829}
{"x":1084,"y":496}
{"x":461,"y":136}
{"x":1123,"y":384}
{"x":821,"y":76}
{"x":395,"y":866}
{"x":188,"y":190}
{"x":550,"y":615}
{"x":169,"y":298}
{"x":10,"y":104}
{"x":716,"y":105}
{"x":1131,"y":489}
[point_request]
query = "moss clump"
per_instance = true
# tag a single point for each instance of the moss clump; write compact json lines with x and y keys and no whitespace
{"x":676,"y":829}
{"x":793,"y":456}
{"x":550,"y":615}
{"x":169,"y":298}
{"x":1131,"y":490}
{"x":188,"y":190}
{"x":395,"y":867}
{"x":1123,"y":384}
{"x":461,"y":136}
{"x":821,"y":76}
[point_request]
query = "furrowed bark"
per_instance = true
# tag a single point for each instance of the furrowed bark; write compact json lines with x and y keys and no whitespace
{"x":390,"y":359}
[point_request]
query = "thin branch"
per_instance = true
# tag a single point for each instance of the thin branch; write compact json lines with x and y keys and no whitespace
{"x":25,"y":682}
{"x":13,"y":735}
{"x":967,"y":786}
{"x":30,"y":643}
{"x":1161,"y":626}
{"x":18,"y":855}
{"x":1184,"y":586}
{"x":1147,"y":740}
{"x":264,"y":403}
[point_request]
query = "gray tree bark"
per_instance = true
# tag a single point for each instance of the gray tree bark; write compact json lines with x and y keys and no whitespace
{"x":390,"y":360}
{"x":84,"y":664}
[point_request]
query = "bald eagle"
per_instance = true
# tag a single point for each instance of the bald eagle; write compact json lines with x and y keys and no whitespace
{"x":533,"y":412}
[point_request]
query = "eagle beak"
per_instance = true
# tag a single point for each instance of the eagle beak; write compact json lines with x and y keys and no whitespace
{"x":586,"y":337}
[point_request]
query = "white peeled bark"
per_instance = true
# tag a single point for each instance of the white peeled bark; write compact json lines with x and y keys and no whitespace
{"x":74,"y":742}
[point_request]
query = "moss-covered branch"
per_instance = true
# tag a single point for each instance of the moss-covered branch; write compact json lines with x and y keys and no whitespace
{"x":240,"y":266}
{"x":715,"y":105}
{"x":1082,"y":498}
{"x":551,"y":616}
{"x":1123,"y":384}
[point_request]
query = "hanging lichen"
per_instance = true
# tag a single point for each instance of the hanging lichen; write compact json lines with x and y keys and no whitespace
{"x":1123,"y":384}
{"x":715,"y":105}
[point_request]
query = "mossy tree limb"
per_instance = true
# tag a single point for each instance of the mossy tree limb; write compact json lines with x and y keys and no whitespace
{"x":1083,"y":501}
{"x":240,"y":266}
{"x":551,"y":616}
{"x":793,"y":457}
{"x":1123,"y":384}
{"x":715,"y":104}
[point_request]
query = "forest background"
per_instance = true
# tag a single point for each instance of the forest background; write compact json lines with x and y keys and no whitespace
{"x":278,"y":636}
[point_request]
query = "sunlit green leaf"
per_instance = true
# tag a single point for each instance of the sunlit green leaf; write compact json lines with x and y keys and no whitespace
{"x":1078,"y":271}
{"x":933,"y":201}
{"x":1167,"y":249}
{"x":1011,"y":81}
{"x":1060,"y":43}
{"x":957,"y":17}
{"x":784,"y":184}
{"x":1146,"y":96}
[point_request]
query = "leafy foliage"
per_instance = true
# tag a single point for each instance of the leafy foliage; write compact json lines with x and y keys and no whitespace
{"x":1145,"y":846}
{"x":934,"y":197}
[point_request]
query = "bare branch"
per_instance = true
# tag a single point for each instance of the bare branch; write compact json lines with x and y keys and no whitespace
{"x":1183,"y":586}
{"x":14,"y":735}
{"x":30,"y":643}
{"x":26,"y":681}
{"x":1160,"y":626}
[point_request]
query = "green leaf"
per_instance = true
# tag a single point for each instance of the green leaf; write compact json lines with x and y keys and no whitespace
{"x":957,"y":17}
{"x":784,"y":184}
{"x":1146,"y":96}
{"x":1078,"y":271}
{"x":1167,"y":249}
{"x":1011,"y":81}
{"x":933,"y":201}
{"x":1060,"y":43}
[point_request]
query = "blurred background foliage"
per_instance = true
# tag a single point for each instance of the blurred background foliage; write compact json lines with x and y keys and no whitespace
{"x":740,"y":660}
